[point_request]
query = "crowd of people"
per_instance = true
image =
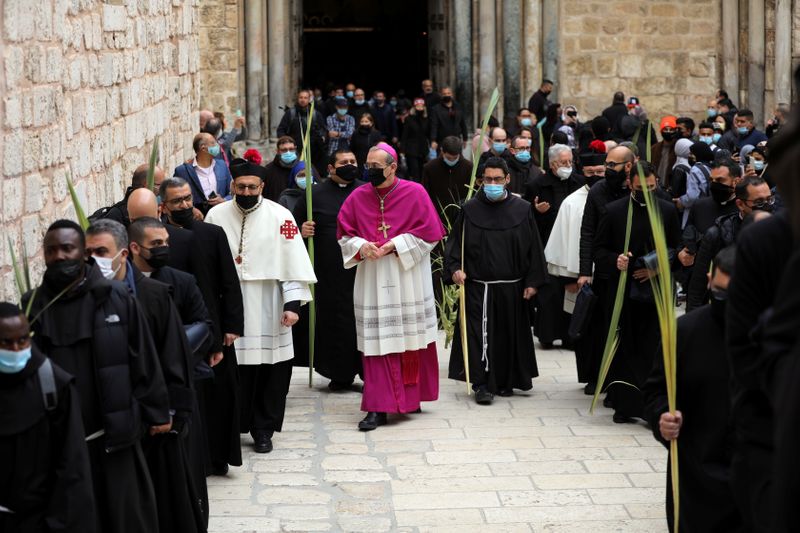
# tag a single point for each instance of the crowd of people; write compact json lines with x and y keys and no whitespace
{"x":170,"y":325}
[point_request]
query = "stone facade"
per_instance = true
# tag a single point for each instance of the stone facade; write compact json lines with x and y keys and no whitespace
{"x":602,"y":46}
{"x":221,"y":72}
{"x":86,"y":86}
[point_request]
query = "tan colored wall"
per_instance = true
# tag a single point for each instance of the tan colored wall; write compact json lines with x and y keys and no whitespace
{"x":665,"y":53}
{"x":221,"y":54}
{"x":85,"y":88}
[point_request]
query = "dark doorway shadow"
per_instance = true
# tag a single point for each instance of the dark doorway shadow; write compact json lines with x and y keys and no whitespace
{"x":373,"y":44}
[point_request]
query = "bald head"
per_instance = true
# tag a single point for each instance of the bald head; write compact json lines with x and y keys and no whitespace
{"x":621,"y":154}
{"x":142,"y":203}
{"x":205,"y":115}
{"x":140,"y":177}
{"x":202,"y":140}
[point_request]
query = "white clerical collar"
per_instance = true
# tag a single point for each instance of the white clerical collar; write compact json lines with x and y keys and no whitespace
{"x":147,"y":274}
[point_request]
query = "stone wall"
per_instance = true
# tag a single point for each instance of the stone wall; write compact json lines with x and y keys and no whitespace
{"x":665,"y":53}
{"x":221,"y":55}
{"x":86,"y":86}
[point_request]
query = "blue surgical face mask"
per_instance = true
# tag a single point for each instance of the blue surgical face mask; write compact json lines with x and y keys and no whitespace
{"x":13,"y":362}
{"x":758,"y":164}
{"x":494,"y":191}
{"x":742,"y":130}
{"x":523,"y":156}
{"x":711,"y":112}
{"x":341,"y":111}
{"x":349,"y":94}
{"x":499,"y":148}
{"x":213,"y":151}
{"x":526,"y":122}
{"x":706,"y":139}
{"x":359,"y":101}
{"x":288,"y":157}
{"x":716,"y":137}
{"x":301,"y":182}
{"x":451,"y":162}
{"x":432,"y":153}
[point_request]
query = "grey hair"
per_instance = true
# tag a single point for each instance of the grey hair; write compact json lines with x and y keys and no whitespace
{"x":554,"y":151}
{"x":113,"y":228}
{"x":170,"y":183}
{"x":389,"y":158}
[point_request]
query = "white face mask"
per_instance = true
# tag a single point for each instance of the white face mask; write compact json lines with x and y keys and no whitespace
{"x":564,"y":172}
{"x":106,"y":265}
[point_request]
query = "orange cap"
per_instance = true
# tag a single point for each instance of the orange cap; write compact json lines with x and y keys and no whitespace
{"x":669,"y":122}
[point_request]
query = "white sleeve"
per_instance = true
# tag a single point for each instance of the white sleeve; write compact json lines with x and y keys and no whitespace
{"x":295,"y":291}
{"x":411,"y":250}
{"x":350,"y":248}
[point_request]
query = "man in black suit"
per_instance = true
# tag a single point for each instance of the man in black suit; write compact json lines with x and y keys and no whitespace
{"x":215,"y":271}
{"x":143,"y":203}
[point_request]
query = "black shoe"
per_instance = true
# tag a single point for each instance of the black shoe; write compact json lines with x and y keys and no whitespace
{"x":483,"y":396}
{"x":372,"y":421}
{"x":506,"y":393}
{"x":336,"y":386}
{"x":590,"y":389}
{"x":622,"y":419}
{"x":546,"y":345}
{"x":219,"y":469}
{"x":608,"y":403}
{"x":262,"y":442}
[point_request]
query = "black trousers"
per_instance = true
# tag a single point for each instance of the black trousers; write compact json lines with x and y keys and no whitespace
{"x":415,"y":164}
{"x":264,"y":390}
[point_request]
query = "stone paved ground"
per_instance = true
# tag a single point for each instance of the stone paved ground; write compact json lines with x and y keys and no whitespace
{"x":534,"y":462}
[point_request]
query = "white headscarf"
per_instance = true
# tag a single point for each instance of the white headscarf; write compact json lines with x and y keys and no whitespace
{"x":682,"y":152}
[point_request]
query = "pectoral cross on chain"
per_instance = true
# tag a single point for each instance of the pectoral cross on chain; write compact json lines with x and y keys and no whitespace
{"x":383,"y":227}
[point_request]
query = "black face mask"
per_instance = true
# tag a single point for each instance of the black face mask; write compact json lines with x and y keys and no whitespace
{"x":364,"y":129}
{"x":615,"y":178}
{"x":638,"y":197}
{"x":591,"y":180}
{"x":668,"y":135}
{"x":59,"y":275}
{"x":720,"y":192}
{"x":447,"y":99}
{"x":247,"y":202}
{"x":376,"y":176}
{"x":719,"y":301}
{"x":159,"y":257}
{"x":183,"y":217}
{"x":347,"y":173}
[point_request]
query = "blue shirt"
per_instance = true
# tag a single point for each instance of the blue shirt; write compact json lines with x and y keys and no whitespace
{"x":345,"y":128}
{"x":753,"y":138}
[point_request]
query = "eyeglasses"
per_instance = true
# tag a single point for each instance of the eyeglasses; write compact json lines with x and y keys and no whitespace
{"x":250,"y":188}
{"x":367,"y":166}
{"x":176,"y":202}
{"x":761,"y":202}
{"x":494,"y":180}
{"x":613,"y":164}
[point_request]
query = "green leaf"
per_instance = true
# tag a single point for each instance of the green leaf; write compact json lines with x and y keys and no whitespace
{"x":83,"y":221}
{"x":151,"y":169}
{"x":18,"y":276}
{"x":312,"y":310}
{"x":476,"y":151}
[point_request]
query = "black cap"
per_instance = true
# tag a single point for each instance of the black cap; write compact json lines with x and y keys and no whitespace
{"x":243,"y":167}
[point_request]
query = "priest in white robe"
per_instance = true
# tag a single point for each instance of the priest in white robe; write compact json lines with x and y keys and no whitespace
{"x":387,"y":230}
{"x":562,"y":252}
{"x":275,"y":272}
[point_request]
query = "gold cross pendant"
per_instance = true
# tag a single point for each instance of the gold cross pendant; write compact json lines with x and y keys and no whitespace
{"x":383,"y":227}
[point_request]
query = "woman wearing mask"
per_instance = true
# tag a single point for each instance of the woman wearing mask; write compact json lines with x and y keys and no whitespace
{"x":364,"y":138}
{"x":297,"y":185}
{"x":570,"y":125}
{"x":415,"y":139}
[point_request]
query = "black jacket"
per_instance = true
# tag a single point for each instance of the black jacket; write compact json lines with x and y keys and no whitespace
{"x":704,"y":212}
{"x":361,"y":142}
{"x":446,"y":121}
{"x":599,"y":197}
{"x":385,"y":121}
{"x":614,"y":114}
{"x":721,"y":235}
{"x":295,"y":122}
{"x":416,"y":135}
{"x":550,"y":188}
{"x":538,"y":103}
{"x":446,"y":185}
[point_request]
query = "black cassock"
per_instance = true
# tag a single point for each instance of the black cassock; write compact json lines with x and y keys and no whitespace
{"x":639,"y":335}
{"x":502,"y":249}
{"x":65,"y":329}
{"x":336,"y":353}
{"x":705,"y":445}
{"x":215,"y":271}
{"x":45,"y":474}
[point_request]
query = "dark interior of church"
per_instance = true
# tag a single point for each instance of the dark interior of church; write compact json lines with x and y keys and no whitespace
{"x":376,"y":45}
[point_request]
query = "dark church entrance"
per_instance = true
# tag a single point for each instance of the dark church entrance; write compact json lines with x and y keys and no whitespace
{"x":374,"y":44}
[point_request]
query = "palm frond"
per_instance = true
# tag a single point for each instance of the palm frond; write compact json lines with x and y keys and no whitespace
{"x":19,"y":278}
{"x":151,"y":169}
{"x":83,"y":221}
{"x":312,"y":306}
{"x":476,"y":151}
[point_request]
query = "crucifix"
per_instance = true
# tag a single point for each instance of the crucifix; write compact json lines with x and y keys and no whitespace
{"x":383,"y":227}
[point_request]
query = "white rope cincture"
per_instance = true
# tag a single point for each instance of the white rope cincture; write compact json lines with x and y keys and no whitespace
{"x":485,"y":317}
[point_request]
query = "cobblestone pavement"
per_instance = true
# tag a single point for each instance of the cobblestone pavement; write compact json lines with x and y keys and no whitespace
{"x":534,"y":462}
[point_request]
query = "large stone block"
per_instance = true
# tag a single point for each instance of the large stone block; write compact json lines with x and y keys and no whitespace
{"x":12,"y":198}
{"x":34,"y":197}
{"x":12,"y":153}
{"x":630,"y":65}
{"x":13,"y":111}
{"x":115,"y":17}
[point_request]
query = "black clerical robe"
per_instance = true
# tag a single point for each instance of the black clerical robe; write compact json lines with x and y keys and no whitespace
{"x":502,"y":256}
{"x":639,"y":336}
{"x":762,"y":252}
{"x":336,"y":354}
{"x":706,"y":442}
{"x":215,"y":271}
{"x":167,"y":456}
{"x":126,"y":373}
{"x":45,"y":476}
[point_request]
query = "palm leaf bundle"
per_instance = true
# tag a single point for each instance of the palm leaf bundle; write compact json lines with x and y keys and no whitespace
{"x":151,"y":169}
{"x":312,"y":305}
{"x":612,"y":338}
{"x":83,"y":221}
{"x":663,"y":293}
{"x":462,"y":294}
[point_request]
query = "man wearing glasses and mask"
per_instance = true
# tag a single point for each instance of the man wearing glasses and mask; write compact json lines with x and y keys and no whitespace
{"x":275,"y":272}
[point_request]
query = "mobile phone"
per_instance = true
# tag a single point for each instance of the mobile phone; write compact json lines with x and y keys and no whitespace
{"x":238,"y":112}
{"x":212,"y":195}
